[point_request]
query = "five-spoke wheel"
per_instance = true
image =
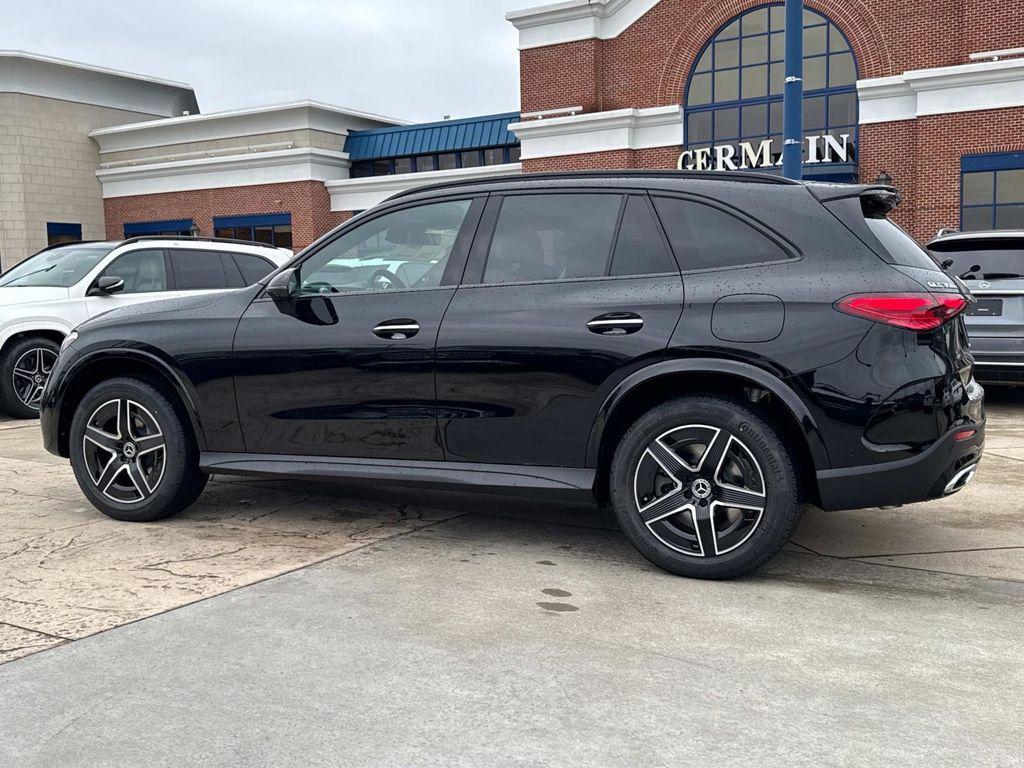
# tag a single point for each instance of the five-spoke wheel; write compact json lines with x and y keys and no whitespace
{"x":24,"y":370}
{"x":133,"y":451}
{"x":699,"y":490}
{"x":704,"y":486}
{"x":125,"y":451}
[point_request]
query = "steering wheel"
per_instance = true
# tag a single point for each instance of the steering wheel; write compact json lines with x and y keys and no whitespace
{"x":387,"y":274}
{"x":320,"y":288}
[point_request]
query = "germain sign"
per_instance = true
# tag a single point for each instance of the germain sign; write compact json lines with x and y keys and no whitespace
{"x":764,"y":154}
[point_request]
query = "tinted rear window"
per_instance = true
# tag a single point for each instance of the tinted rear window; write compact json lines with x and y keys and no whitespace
{"x":709,"y":238}
{"x":901,"y":247}
{"x":197,"y":270}
{"x":997,"y":260}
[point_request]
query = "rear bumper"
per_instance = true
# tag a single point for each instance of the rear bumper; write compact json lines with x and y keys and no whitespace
{"x":998,"y":358}
{"x":944,"y":468}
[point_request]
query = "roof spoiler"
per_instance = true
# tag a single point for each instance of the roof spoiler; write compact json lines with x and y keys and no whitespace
{"x":875,"y":199}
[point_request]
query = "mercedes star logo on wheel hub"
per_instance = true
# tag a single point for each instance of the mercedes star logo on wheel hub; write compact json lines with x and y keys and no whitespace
{"x":701,"y":488}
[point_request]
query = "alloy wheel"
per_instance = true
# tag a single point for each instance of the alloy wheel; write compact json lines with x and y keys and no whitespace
{"x":124,"y":450}
{"x":31,"y":372}
{"x":699,"y":490}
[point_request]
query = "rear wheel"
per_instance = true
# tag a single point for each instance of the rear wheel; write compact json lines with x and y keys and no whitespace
{"x":24,"y":370}
{"x":704,"y":487}
{"x":132,"y":453}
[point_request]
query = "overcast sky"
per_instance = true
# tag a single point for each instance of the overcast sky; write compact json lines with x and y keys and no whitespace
{"x":412,"y":59}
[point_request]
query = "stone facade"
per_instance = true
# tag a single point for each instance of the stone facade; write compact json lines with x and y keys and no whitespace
{"x":48,"y":170}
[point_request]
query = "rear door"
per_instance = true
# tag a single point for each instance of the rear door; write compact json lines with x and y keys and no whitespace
{"x":566,"y":293}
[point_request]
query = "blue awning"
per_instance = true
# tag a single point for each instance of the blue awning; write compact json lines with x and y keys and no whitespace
{"x":430,"y":138}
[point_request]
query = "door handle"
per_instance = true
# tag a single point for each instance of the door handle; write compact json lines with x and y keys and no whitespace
{"x":397,"y":330}
{"x":616,"y":324}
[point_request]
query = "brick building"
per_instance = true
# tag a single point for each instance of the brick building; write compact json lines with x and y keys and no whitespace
{"x":931,"y":93}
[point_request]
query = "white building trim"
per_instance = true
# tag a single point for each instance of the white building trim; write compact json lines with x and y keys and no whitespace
{"x":601,"y":132}
{"x":360,"y":194}
{"x":942,"y":90}
{"x":53,"y":78}
{"x":312,"y":115}
{"x":300,"y":164}
{"x":576,"y":20}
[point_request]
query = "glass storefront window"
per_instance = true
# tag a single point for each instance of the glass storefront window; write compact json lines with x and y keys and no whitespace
{"x":992,"y":192}
{"x":735,"y":90}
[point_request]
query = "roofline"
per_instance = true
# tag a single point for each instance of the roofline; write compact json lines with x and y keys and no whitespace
{"x":729,"y":176}
{"x":17,"y":53}
{"x":199,"y":239}
{"x":228,"y":113}
{"x":437,"y":123}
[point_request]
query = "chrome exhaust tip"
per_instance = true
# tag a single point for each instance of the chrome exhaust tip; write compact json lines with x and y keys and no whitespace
{"x":961,"y":479}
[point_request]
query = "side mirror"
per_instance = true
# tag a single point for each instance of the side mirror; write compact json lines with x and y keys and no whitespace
{"x":107,"y":285}
{"x":284,"y":286}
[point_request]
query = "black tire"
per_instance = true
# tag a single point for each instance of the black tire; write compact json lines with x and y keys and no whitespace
{"x":15,"y":386}
{"x":675,"y":540}
{"x":172,"y":485}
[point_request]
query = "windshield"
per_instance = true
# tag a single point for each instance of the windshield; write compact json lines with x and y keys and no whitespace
{"x":902,"y":248}
{"x":57,"y":268}
{"x":998,"y":260}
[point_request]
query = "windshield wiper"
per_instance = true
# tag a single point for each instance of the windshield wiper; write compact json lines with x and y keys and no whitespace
{"x":22,"y":277}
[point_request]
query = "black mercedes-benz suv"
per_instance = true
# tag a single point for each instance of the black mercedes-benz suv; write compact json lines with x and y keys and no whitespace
{"x":704,"y":352}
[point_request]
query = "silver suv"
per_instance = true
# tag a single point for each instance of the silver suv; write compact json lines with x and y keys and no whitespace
{"x":992,"y":265}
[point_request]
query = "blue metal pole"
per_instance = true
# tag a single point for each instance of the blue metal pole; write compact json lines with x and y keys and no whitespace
{"x":793,"y":95}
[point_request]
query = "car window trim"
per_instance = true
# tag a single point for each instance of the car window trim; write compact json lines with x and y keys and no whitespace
{"x":794,"y":254}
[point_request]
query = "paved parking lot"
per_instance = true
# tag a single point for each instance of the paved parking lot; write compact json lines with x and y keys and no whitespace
{"x":454,"y":631}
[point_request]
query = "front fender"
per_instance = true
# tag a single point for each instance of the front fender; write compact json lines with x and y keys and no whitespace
{"x":70,"y":369}
{"x":758,"y":376}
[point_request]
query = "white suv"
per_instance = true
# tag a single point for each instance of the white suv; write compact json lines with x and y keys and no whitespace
{"x":44,"y":297}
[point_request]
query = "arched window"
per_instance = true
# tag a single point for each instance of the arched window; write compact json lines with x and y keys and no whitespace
{"x":735,"y":90}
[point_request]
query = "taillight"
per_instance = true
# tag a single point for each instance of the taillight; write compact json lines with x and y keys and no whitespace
{"x":914,"y":311}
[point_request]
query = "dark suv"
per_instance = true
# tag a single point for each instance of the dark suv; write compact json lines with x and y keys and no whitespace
{"x":705,"y":352}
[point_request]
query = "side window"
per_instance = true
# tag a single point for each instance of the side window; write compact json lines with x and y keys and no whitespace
{"x":639,"y":249}
{"x":197,"y":270}
{"x":552,"y":237}
{"x":405,"y":250}
{"x":143,"y":271}
{"x":253,"y":268}
{"x":704,"y":237}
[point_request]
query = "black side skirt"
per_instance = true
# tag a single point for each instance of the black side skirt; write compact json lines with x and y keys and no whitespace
{"x":504,"y":478}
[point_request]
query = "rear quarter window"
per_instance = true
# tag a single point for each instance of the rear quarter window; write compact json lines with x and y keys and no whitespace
{"x":705,"y":237}
{"x":253,"y":268}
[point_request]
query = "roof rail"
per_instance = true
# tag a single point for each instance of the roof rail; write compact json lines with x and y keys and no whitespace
{"x":749,"y":177}
{"x":67,"y":243}
{"x":139,"y":238}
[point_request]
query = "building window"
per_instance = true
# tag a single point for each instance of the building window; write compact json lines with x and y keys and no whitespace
{"x":57,"y":233}
{"x":471,"y":158}
{"x":447,"y":162}
{"x":270,"y":229}
{"x":735,"y":89}
{"x":172,"y":228}
{"x":992,"y":191}
{"x":424,"y":163}
{"x":403,"y":165}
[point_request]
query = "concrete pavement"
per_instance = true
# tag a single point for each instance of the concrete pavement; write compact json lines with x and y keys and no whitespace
{"x":469,"y":633}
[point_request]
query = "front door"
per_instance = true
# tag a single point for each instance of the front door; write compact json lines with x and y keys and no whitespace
{"x":573,"y":292}
{"x":346,"y":368}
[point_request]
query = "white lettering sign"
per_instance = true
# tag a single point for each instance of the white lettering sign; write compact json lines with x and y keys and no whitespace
{"x":730,"y":157}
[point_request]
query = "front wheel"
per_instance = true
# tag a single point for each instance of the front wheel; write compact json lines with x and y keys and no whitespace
{"x":132,"y":453}
{"x":24,"y":369}
{"x":704,"y":487}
